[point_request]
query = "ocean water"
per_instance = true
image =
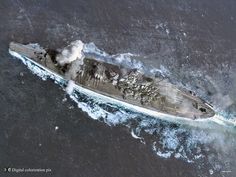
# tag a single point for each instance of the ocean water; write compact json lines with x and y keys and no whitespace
{"x":190,"y":42}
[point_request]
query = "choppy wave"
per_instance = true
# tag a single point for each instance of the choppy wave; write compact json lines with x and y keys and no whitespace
{"x":167,"y":140}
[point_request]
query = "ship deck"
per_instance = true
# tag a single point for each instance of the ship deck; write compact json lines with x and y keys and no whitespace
{"x":131,"y":86}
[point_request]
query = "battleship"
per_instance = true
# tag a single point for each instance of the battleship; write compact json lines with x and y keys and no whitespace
{"x":113,"y":83}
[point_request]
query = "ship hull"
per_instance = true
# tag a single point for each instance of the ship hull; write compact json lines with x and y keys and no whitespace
{"x":45,"y":73}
